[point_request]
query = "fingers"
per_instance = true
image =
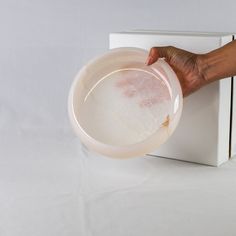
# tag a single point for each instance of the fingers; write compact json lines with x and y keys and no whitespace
{"x":152,"y":57}
{"x":158,"y":52}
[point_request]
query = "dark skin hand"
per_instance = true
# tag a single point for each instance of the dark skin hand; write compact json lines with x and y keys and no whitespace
{"x":196,"y":70}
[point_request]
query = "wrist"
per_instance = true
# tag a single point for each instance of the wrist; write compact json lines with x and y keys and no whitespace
{"x":217,"y":64}
{"x":202,"y":62}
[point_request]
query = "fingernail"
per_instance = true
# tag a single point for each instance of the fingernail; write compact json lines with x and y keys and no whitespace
{"x":149,"y":60}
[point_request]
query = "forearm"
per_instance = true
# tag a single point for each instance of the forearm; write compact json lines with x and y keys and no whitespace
{"x":220,"y":63}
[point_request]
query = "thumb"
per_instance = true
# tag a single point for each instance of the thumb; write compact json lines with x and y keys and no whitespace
{"x":158,"y":52}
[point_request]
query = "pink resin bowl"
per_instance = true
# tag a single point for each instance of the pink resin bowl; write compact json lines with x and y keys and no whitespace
{"x":119,"y":107}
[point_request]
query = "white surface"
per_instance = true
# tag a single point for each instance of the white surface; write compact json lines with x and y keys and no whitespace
{"x":47,"y":187}
{"x":50,"y":187}
{"x":205,"y":123}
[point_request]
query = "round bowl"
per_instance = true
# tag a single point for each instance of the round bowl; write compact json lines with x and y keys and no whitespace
{"x":119,"y":107}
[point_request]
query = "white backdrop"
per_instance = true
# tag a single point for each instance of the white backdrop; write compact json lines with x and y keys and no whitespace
{"x":48,"y":185}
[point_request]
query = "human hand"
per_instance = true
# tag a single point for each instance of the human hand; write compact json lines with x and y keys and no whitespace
{"x":187,"y":66}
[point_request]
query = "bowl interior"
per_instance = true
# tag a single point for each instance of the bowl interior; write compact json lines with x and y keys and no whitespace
{"x":120,"y":101}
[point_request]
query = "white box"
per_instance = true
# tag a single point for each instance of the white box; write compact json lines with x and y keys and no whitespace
{"x":206,"y":133}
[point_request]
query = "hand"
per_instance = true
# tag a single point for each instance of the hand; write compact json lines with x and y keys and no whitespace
{"x":186,"y":65}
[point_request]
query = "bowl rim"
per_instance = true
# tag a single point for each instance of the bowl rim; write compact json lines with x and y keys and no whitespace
{"x":81,"y":132}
